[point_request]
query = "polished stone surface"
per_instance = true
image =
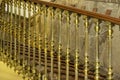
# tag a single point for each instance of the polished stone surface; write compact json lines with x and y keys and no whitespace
{"x":7,"y":73}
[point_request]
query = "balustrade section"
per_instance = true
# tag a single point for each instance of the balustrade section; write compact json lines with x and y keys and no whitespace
{"x":48,"y":41}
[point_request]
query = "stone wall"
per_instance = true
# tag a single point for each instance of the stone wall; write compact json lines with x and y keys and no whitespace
{"x":0,"y":1}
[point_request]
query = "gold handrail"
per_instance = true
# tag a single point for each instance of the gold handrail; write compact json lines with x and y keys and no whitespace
{"x":79,"y":11}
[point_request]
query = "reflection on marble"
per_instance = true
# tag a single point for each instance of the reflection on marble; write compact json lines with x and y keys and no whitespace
{"x":7,"y":73}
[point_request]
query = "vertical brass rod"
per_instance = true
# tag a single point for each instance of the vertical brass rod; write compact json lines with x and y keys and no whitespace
{"x":29,"y":25}
{"x":3,"y":42}
{"x":109,"y":51}
{"x":45,"y":37}
{"x":23,"y":37}
{"x":97,"y":50}
{"x":10,"y":27}
{"x":77,"y":49}
{"x":2,"y":20}
{"x":7,"y":3}
{"x":5,"y":7}
{"x":15,"y":24}
{"x":34,"y":40}
{"x":68,"y":45}
{"x":8,"y":43}
{"x":3,"y":33}
{"x":86,"y":49}
{"x":52,"y":42}
{"x":19,"y":22}
{"x":39,"y":41}
{"x":19,"y":35}
{"x":60,"y":46}
{"x":7,"y":31}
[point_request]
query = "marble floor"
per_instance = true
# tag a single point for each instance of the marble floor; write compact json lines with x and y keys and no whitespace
{"x":7,"y":73}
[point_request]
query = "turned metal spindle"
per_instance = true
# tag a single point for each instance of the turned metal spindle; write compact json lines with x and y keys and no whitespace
{"x":46,"y":42}
{"x":7,"y":44}
{"x":86,"y":48}
{"x":110,"y":77}
{"x":52,"y":40}
{"x":3,"y":31}
{"x":2,"y":14}
{"x":34,"y":40}
{"x":18,"y":32}
{"x":10,"y":27}
{"x":97,"y":49}
{"x":0,"y":35}
{"x":76,"y":47}
{"x":39,"y":42}
{"x":68,"y":44}
{"x":9,"y":32}
{"x":18,"y":37}
{"x":7,"y":10}
{"x":23,"y":37}
{"x":3,"y":9}
{"x":3,"y":43}
{"x":28,"y":36}
{"x":59,"y":46}
{"x":14,"y":34}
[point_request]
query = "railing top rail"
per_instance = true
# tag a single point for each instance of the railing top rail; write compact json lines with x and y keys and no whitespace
{"x":79,"y":11}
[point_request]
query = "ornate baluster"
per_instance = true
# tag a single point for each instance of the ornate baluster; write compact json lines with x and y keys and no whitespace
{"x":68,"y":44}
{"x":110,"y":51}
{"x":10,"y":27}
{"x":1,"y":19}
{"x":34,"y":40}
{"x":8,"y":10}
{"x":18,"y":36}
{"x":60,"y":45}
{"x":77,"y":48}
{"x":52,"y":40}
{"x":46,"y":42}
{"x":23,"y":37}
{"x":7,"y":44}
{"x":28,"y":36}
{"x":3,"y":43}
{"x":3,"y":32}
{"x":39,"y":40}
{"x":14,"y":35}
{"x":97,"y":49}
{"x":5,"y":7}
{"x":86,"y":48}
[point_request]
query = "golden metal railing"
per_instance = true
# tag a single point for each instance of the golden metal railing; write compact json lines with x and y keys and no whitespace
{"x":48,"y":41}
